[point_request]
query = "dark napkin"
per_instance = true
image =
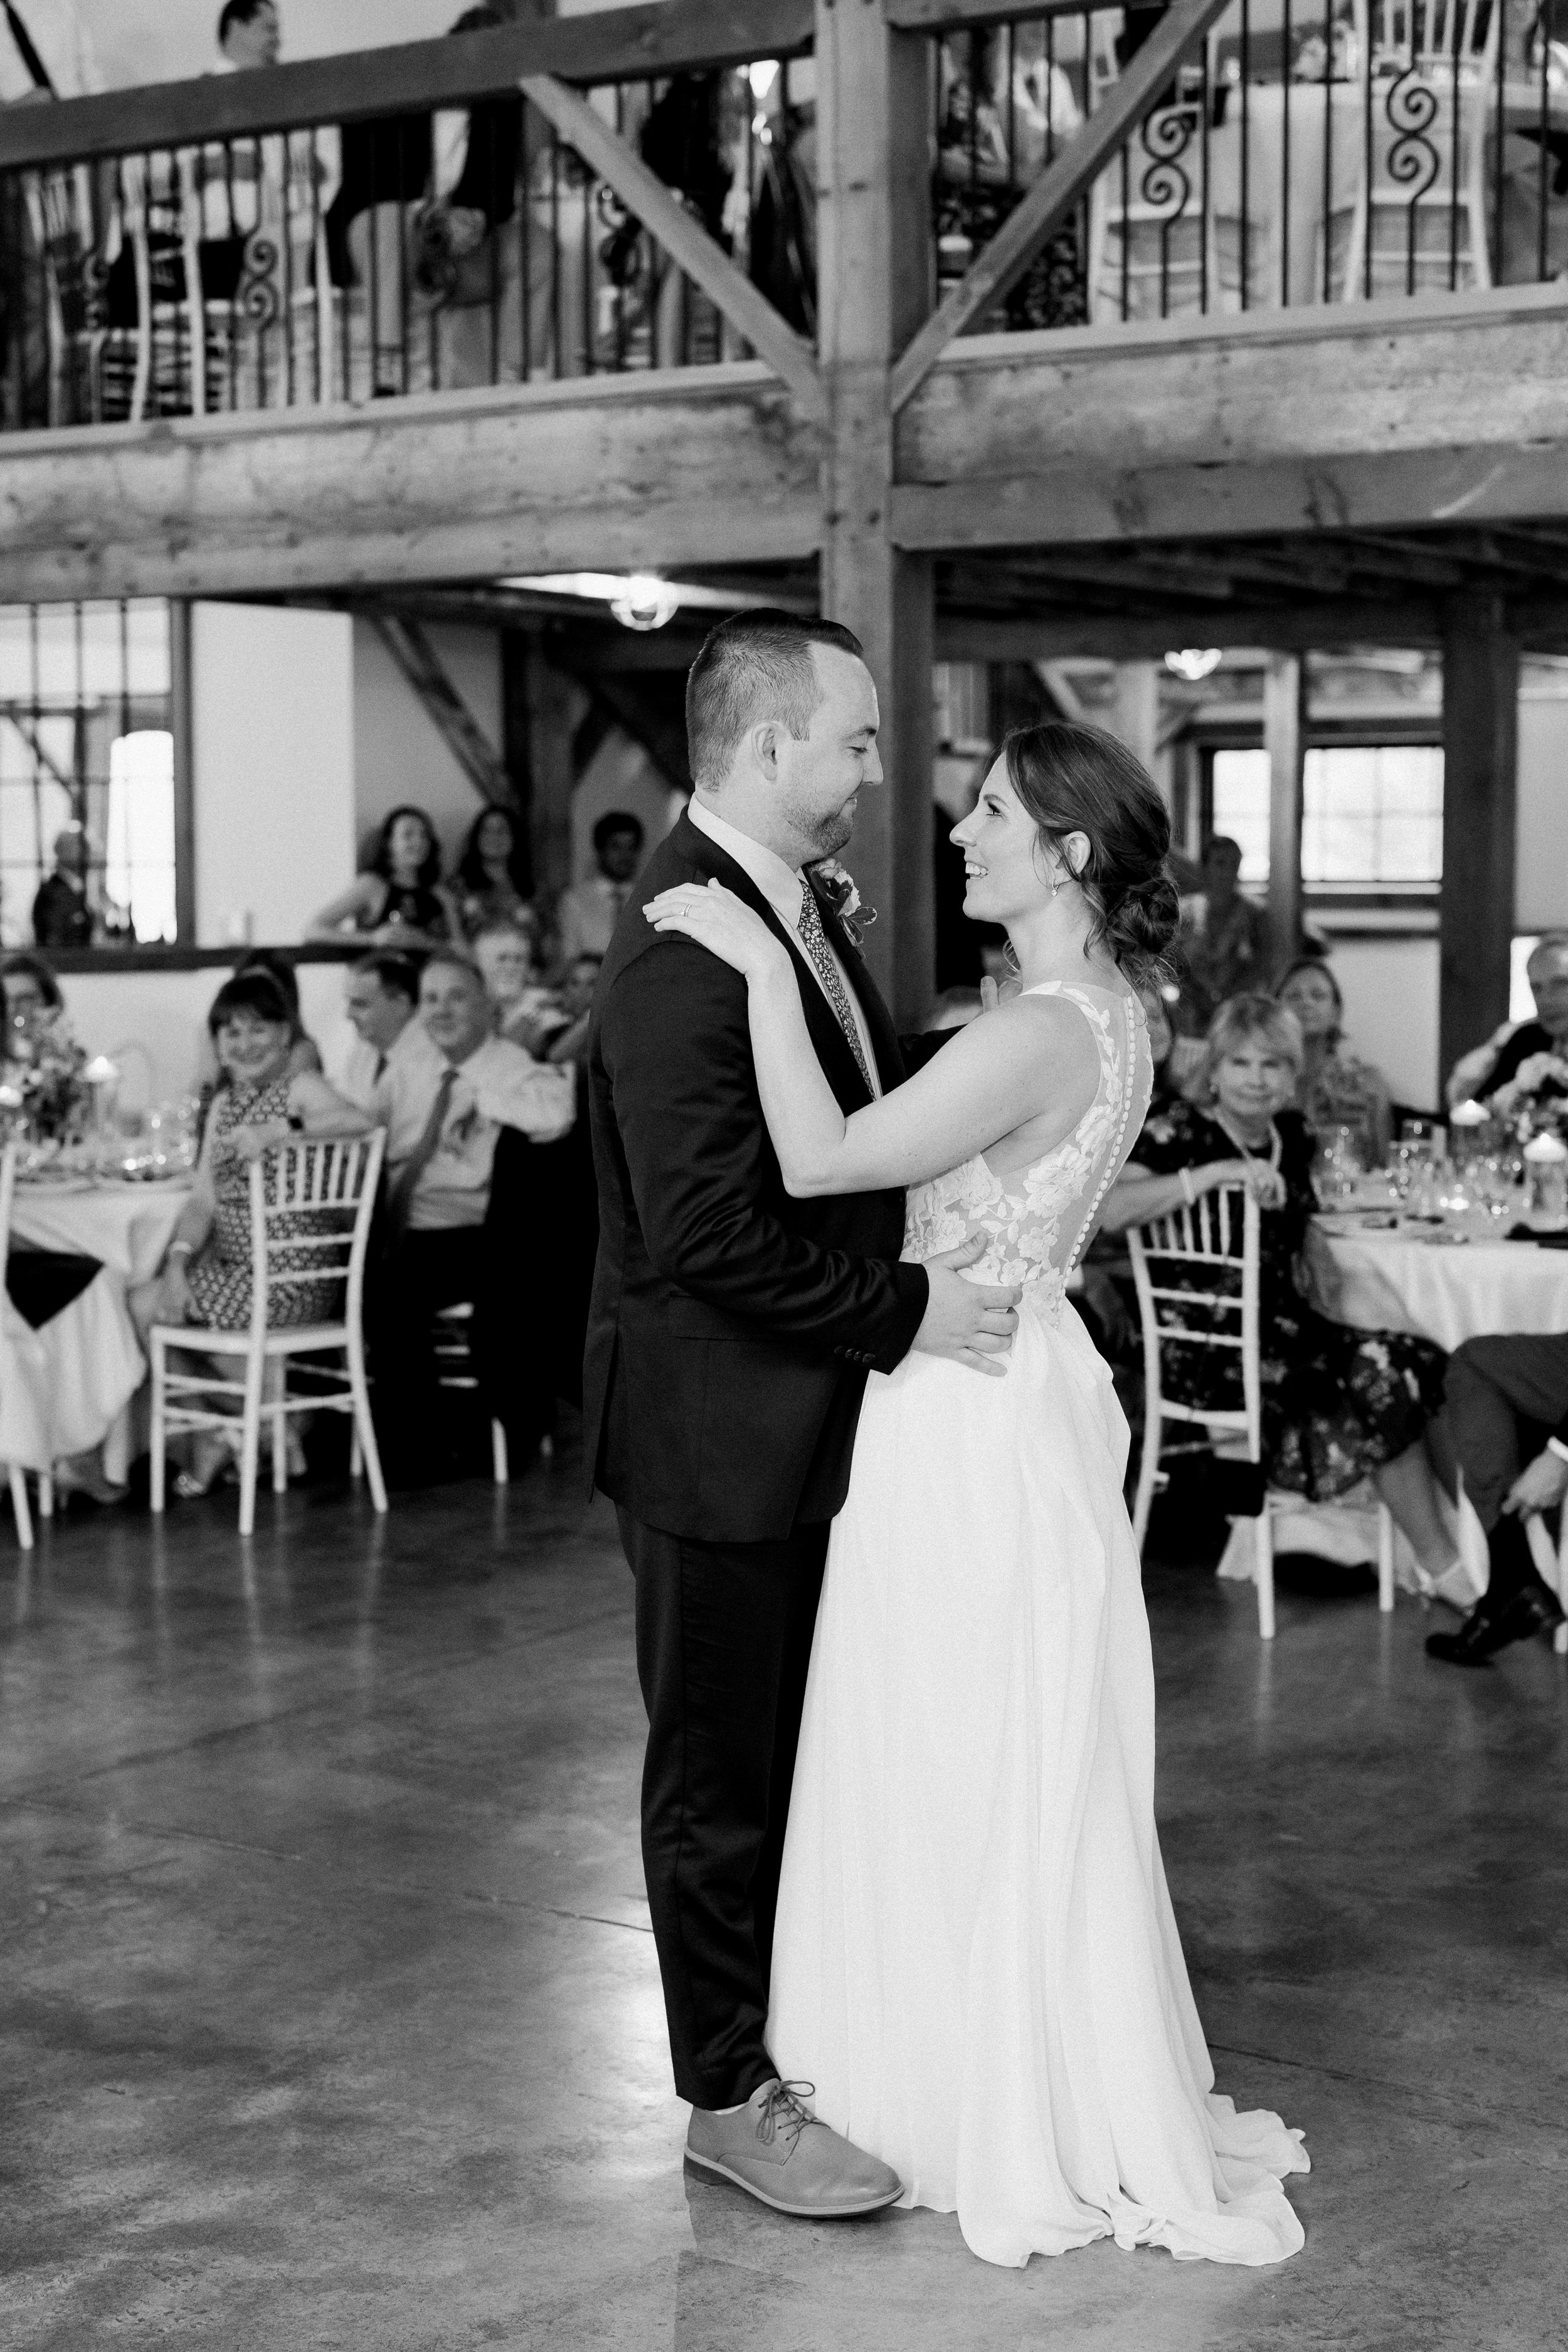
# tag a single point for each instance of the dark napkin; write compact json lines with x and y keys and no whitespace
{"x":1542,"y":1241}
{"x":43,"y":1283}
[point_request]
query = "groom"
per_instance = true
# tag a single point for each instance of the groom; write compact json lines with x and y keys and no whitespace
{"x":730,"y":1336}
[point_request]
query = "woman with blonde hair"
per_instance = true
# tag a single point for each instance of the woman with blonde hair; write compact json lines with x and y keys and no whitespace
{"x":1339,"y":1404}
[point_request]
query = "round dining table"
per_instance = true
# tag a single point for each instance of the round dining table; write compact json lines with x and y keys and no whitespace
{"x":1439,"y":1281}
{"x":66,"y":1385}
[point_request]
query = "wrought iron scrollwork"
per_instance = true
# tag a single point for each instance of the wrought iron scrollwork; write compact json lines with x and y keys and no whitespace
{"x":1410,"y":108}
{"x":1165,"y":138}
{"x":256,"y":296}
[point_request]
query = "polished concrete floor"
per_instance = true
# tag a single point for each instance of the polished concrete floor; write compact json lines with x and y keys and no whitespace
{"x":330,"y":2016}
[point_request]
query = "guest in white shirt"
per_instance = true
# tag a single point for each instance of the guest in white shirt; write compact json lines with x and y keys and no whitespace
{"x":589,"y":911}
{"x":445,"y":1120}
{"x":380,"y":1000}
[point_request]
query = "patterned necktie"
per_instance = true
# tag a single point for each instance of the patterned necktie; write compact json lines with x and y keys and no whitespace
{"x":400,"y":1192}
{"x":813,"y":938}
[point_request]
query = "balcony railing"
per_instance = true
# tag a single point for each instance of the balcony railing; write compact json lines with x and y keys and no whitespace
{"x":1302,"y":153}
{"x":321,"y":233}
{"x":345,"y":255}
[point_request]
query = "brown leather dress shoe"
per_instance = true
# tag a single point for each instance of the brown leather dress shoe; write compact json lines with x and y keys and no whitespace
{"x":776,"y":2150}
{"x":1533,"y":1610}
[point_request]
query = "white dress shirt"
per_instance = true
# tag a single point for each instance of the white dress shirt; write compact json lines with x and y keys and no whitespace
{"x":499,"y":1086}
{"x":358,"y":1071}
{"x":587,"y":914}
{"x":783,"y":887}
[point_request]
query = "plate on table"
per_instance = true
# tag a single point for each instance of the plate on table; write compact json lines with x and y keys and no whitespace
{"x":1344,"y":1224}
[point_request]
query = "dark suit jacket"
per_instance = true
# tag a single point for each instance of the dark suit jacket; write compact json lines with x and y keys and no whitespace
{"x":731,"y":1328}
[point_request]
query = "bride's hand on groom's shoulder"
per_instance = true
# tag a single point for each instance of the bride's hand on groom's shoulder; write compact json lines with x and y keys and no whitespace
{"x":994,"y":992}
{"x":720,"y":922}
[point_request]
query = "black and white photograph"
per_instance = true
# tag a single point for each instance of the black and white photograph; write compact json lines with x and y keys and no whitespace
{"x":783,"y":1175}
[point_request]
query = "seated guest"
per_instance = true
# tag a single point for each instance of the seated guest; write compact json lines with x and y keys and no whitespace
{"x":260,"y":1101}
{"x":492,"y":876}
{"x":1336,"y":1088}
{"x":61,"y":914}
{"x":380,"y":1000}
{"x":1177,"y":1060}
{"x":400,"y":899}
{"x":304,"y":1054}
{"x":34,"y":1005}
{"x":443,"y":1121}
{"x":520,"y":1005}
{"x":1498,"y":1063}
{"x":1507,"y":1396}
{"x":589,"y":911}
{"x":1339,"y":1405}
{"x":1223,"y":941}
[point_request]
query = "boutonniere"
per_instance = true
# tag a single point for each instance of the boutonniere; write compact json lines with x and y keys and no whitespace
{"x":838,"y":888}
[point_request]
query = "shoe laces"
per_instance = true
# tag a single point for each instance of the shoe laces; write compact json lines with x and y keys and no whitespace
{"x":784,"y":2109}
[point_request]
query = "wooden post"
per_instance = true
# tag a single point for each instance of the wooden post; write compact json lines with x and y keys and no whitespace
{"x":182,"y":721}
{"x":1285,"y":739}
{"x":517,"y":736}
{"x":1481,"y":719}
{"x":553,"y":776}
{"x":874,"y":280}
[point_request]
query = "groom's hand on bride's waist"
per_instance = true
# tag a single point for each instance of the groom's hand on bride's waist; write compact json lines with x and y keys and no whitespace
{"x":972,"y":1322}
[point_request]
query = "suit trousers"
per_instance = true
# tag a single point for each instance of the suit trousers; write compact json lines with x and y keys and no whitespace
{"x":1504,"y":1396}
{"x":723,"y":1636}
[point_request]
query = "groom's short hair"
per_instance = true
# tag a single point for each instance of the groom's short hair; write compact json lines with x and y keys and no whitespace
{"x":753,"y":667}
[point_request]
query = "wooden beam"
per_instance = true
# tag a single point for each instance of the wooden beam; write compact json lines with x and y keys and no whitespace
{"x":1281,"y":428}
{"x":552,"y":703}
{"x":1481,"y":719}
{"x":623,"y":474}
{"x":461,"y":731}
{"x":651,"y":720}
{"x":1285,"y":741}
{"x":1082,"y":158}
{"x":614,"y":45}
{"x":983,"y":637}
{"x":682,"y":235}
{"x":875,"y":278}
{"x":961,"y":16}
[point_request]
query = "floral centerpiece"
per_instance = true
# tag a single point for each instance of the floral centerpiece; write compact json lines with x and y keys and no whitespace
{"x":1534,"y":1101}
{"x":45,"y":1091}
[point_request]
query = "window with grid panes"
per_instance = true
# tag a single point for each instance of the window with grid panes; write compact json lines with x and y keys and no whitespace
{"x":1372,"y":813}
{"x":86,"y":740}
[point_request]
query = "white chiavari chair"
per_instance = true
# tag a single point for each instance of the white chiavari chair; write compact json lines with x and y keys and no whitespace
{"x":17,"y":1477}
{"x":1196,"y":1272}
{"x":311,"y":1207}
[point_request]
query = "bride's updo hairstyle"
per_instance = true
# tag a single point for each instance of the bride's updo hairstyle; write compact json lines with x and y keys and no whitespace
{"x":1076,"y":778}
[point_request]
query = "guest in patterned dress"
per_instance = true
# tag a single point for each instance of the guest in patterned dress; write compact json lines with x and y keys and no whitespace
{"x":1339,"y":1404}
{"x":1336,"y":1088}
{"x":260,"y":1101}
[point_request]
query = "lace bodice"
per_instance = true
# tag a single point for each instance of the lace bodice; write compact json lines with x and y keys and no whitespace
{"x":1037,"y":1219}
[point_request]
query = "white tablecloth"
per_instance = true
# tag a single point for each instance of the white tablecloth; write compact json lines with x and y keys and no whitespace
{"x":67,"y":1386}
{"x":127,"y":1226}
{"x":1444,"y":1291}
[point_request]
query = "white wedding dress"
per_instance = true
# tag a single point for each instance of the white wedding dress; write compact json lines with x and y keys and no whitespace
{"x":975,"y":1959}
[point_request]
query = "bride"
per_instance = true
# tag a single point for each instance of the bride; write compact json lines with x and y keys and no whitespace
{"x":975,"y":1956}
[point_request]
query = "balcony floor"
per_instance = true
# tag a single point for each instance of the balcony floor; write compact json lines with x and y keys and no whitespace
{"x":334,"y":2016}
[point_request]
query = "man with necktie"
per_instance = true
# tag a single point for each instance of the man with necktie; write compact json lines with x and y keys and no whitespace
{"x":730,"y":1334}
{"x":444,"y":1114}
